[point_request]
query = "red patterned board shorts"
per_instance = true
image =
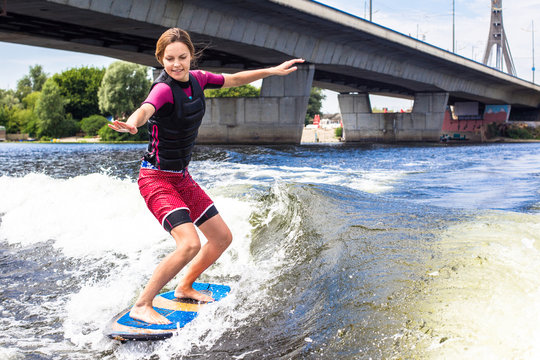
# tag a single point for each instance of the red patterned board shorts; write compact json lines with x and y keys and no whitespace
{"x":175,"y":198}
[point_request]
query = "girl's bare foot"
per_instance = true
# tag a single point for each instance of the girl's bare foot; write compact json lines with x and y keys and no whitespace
{"x":191,"y":293}
{"x":148,"y":315}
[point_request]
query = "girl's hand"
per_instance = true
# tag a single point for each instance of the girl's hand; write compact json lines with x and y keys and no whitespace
{"x":287,"y":67}
{"x":123,"y":127}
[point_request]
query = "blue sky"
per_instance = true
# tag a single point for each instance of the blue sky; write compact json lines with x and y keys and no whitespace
{"x":430,"y":20}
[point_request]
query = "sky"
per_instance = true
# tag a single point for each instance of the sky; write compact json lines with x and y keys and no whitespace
{"x":430,"y":21}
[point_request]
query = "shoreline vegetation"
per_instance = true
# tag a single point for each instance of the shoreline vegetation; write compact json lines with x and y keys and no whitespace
{"x":309,"y":137}
{"x":81,"y":101}
{"x":76,"y":105}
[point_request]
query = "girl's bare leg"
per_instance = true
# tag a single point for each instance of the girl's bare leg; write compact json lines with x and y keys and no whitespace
{"x":187,"y":246}
{"x":219,"y":238}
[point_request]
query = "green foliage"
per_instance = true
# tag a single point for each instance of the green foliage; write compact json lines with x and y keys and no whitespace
{"x":123,"y":88}
{"x":514,"y":131}
{"x":9,"y":98}
{"x":15,"y":116}
{"x":239,"y":91}
{"x":50,"y":111}
{"x":339,"y":132}
{"x":25,"y":121}
{"x":30,"y":100}
{"x":4,"y":115}
{"x":492,"y":130}
{"x":34,"y":81}
{"x":70,"y":127}
{"x":6,"y":119}
{"x":519,"y":133}
{"x":10,"y":107}
{"x":316,"y":98}
{"x":91,"y":124}
{"x":79,"y":86}
{"x":108,"y":134}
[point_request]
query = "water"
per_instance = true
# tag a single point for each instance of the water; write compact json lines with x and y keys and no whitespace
{"x":339,"y":252}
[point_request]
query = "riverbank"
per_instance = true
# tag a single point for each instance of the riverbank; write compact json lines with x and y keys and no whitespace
{"x":319,"y":136}
{"x":309,"y":136}
{"x":77,"y":139}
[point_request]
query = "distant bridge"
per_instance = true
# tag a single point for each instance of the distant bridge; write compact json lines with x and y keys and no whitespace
{"x":345,"y":54}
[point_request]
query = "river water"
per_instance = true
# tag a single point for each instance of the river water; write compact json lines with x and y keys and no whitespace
{"x":339,"y":252}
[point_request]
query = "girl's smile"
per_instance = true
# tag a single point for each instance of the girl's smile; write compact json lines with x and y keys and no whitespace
{"x":177,"y":61}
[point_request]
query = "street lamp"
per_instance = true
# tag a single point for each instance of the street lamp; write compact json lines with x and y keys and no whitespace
{"x":532,"y":23}
{"x":532,"y":36}
{"x":453,"y":26}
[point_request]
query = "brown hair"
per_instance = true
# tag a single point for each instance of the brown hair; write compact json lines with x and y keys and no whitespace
{"x":173,"y":35}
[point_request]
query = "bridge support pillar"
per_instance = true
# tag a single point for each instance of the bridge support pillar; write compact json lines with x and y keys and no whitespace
{"x":359,"y":123}
{"x":426,"y":118}
{"x":276,"y":117}
{"x":423,"y":124}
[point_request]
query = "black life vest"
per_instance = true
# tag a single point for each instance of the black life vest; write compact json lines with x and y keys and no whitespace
{"x":174,"y":127}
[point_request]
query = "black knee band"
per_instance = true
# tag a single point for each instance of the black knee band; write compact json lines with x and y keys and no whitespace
{"x":209,"y":213}
{"x":178,"y":217}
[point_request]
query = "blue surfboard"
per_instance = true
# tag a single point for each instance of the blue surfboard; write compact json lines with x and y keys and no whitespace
{"x":179,"y":311}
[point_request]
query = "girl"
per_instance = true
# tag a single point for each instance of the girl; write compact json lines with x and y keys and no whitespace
{"x":174,"y":110}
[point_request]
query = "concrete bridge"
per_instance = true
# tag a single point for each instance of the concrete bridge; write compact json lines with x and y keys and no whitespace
{"x":344,"y":53}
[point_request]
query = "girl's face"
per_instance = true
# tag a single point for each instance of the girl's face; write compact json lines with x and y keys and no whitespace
{"x":176,"y":61}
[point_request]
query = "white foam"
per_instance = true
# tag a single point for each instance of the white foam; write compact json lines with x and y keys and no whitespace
{"x":85,"y":215}
{"x":371,"y":181}
{"x":105,"y":223}
{"x":10,"y":354}
{"x":483,"y":303}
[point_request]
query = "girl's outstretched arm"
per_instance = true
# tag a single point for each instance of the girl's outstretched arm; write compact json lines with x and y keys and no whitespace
{"x":248,"y":76}
{"x":137,"y":119}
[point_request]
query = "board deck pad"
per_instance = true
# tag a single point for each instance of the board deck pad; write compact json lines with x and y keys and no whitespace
{"x":179,"y":311}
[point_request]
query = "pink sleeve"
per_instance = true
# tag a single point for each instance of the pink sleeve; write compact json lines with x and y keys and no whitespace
{"x":208,"y":80}
{"x":160,"y":94}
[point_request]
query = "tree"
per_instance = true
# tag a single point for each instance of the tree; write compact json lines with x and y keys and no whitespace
{"x":30,"y":100}
{"x":315,"y":103}
{"x":34,"y":81}
{"x":25,"y":121}
{"x":239,"y":91}
{"x":50,"y":111}
{"x":79,"y":86}
{"x":91,"y":124}
{"x":123,"y":88}
{"x":6,"y":119}
{"x":8,"y":98}
{"x":9,"y":104}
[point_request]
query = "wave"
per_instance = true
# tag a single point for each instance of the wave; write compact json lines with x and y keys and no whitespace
{"x":318,"y":270}
{"x":478,"y":297}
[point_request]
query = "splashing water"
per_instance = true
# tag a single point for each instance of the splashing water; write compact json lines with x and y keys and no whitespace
{"x":338,"y":252}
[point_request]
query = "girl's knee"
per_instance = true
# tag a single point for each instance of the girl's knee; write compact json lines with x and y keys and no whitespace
{"x":223,"y":240}
{"x":191,"y":247}
{"x":227,"y":239}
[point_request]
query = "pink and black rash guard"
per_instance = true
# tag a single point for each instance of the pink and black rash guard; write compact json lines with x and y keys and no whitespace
{"x":161,"y":93}
{"x":173,"y":128}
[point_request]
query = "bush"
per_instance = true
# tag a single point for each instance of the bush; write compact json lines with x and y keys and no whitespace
{"x":69,"y":127}
{"x":238,"y":91}
{"x":108,"y":134}
{"x":92,"y":124}
{"x":493,"y":130}
{"x":515,"y":132}
{"x":339,"y":132}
